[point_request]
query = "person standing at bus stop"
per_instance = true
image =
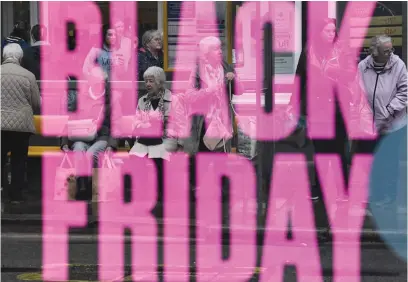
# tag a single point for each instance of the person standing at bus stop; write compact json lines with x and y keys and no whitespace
{"x":38,"y":51}
{"x":326,"y":56}
{"x":151,"y":54}
{"x":20,"y":97}
{"x":383,"y":86}
{"x":19,"y":35}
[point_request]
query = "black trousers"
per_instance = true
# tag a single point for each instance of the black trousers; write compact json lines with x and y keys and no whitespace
{"x":16,"y":143}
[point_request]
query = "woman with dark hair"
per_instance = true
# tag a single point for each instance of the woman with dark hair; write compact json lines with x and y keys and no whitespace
{"x":105,"y":57}
{"x":327,"y":55}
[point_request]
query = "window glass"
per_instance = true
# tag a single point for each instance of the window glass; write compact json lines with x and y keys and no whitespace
{"x":21,"y":12}
{"x":173,"y":9}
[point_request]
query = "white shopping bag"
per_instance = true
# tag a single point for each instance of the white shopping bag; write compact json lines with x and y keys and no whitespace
{"x":110,"y":177}
{"x":65,"y":180}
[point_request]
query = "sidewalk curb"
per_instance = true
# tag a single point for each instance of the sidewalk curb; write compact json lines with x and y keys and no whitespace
{"x":367,"y":234}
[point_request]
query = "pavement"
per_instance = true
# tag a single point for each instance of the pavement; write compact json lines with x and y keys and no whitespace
{"x":22,"y":261}
{"x":22,"y":217}
{"x":22,"y":250}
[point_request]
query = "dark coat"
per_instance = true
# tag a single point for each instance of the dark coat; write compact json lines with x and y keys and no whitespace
{"x":147,"y":60}
{"x":336,"y":59}
{"x":33,"y":56}
{"x":14,"y":39}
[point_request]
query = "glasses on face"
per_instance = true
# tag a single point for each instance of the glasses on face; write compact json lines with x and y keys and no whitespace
{"x":388,"y":51}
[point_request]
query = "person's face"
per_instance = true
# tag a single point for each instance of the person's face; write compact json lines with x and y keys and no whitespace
{"x":329,"y":33}
{"x":110,"y":37}
{"x":155,"y":43}
{"x":384,"y":52}
{"x":215,"y":53}
{"x":120,"y":28}
{"x":151,"y":85}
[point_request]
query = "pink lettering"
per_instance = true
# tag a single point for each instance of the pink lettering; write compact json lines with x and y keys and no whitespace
{"x":211,"y":168}
{"x":54,"y":83}
{"x":58,"y":216}
{"x":116,"y":215}
{"x":320,"y":89}
{"x":176,"y":215}
{"x":289,"y":203}
{"x":124,"y":82}
{"x":258,"y":14}
{"x":346,"y":217}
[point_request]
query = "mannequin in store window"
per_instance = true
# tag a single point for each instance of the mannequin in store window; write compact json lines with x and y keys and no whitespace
{"x":151,"y":54}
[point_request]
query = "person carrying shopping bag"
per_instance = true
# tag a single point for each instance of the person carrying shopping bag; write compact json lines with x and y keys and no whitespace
{"x":83,"y":135}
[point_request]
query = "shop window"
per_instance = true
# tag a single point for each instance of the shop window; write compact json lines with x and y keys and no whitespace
{"x":147,"y":16}
{"x":172,"y":12}
{"x":21,"y":12}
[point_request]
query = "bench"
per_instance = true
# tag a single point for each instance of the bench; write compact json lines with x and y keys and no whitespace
{"x":43,"y":144}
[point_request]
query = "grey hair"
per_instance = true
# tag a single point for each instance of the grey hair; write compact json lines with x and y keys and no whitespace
{"x":13,"y":51}
{"x":149,"y":35}
{"x":207,"y":43}
{"x":377,"y":41}
{"x":158,"y":75}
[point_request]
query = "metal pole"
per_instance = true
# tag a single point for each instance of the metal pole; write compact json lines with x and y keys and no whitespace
{"x":266,"y":149}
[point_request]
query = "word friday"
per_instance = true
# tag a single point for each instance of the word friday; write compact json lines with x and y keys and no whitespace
{"x":290,"y":183}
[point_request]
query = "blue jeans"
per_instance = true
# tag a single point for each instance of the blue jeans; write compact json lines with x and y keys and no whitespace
{"x":94,"y":149}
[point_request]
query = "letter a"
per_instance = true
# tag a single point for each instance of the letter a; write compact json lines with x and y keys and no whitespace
{"x":242,"y":191}
{"x":290,"y":202}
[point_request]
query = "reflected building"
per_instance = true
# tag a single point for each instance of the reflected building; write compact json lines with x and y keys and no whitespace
{"x":389,"y":17}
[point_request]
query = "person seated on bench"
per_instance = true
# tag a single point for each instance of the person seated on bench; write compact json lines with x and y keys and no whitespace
{"x":82,"y":135}
{"x":157,"y":103}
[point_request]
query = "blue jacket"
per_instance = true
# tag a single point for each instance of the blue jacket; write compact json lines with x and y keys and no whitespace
{"x":14,"y":39}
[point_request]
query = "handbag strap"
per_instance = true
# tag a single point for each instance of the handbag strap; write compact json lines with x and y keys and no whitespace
{"x":234,"y":113}
{"x":66,"y":159}
{"x":107,"y":162}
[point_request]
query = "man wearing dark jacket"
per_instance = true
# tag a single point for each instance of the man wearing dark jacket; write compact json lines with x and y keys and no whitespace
{"x":32,"y":54}
{"x":18,"y":35}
